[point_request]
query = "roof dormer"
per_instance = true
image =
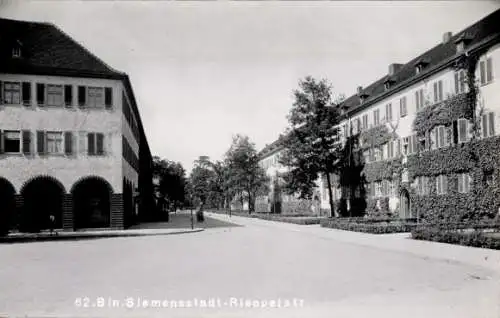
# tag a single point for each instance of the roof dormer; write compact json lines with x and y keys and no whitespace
{"x":361,"y":94}
{"x":17,"y":49}
{"x":389,"y":82}
{"x":462,"y":41}
{"x":420,"y":65}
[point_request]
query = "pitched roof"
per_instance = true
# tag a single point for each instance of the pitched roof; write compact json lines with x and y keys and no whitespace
{"x":436,"y":56}
{"x":45,"y":46}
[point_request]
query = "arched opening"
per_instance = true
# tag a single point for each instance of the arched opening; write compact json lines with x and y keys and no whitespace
{"x":91,"y":203}
{"x":8,"y":206}
{"x":42,"y":198}
{"x":405,"y":207}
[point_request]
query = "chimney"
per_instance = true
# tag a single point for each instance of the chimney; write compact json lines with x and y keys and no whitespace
{"x":360,"y":89}
{"x":447,"y":37}
{"x":394,"y":67}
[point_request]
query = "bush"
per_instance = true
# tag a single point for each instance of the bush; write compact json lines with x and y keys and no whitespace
{"x":475,"y":238}
{"x":294,"y":219}
{"x":372,"y":226}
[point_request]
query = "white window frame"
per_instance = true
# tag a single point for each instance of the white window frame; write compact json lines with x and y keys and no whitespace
{"x":91,"y":99}
{"x":419,"y":99}
{"x":403,"y":108}
{"x":438,"y":91}
{"x":52,"y":94}
{"x":20,"y":141}
{"x":388,"y":112}
{"x":46,"y":142}
{"x":464,"y":183}
{"x":483,"y":77}
{"x":441,"y":184}
{"x":486,"y":125}
{"x":376,"y":117}
{"x":12,"y":93}
{"x":462,"y":138}
{"x":365,"y":121}
{"x":460,"y":82}
{"x":440,"y":137}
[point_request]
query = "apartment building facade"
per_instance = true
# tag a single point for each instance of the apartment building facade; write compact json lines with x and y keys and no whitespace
{"x":72,"y":144}
{"x":423,"y":139}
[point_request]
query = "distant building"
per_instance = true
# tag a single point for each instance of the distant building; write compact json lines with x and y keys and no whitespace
{"x":72,"y":140}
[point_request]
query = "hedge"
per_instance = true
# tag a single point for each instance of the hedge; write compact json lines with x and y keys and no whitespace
{"x":366,"y":227}
{"x":475,"y":238}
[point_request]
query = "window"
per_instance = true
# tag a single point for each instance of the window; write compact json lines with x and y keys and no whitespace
{"x":406,"y":146}
{"x":376,"y":117}
{"x":462,"y":130}
{"x":485,"y":71}
{"x":464,"y":183}
{"x":95,"y":97}
{"x":418,"y":69}
{"x":383,"y":151}
{"x":54,"y":95}
{"x":393,"y":186}
{"x":440,"y":137}
{"x":378,"y":189}
{"x":358,"y":125}
{"x":460,"y":82}
{"x":388,"y":112}
{"x":54,"y":142}
{"x":95,"y":142}
{"x":419,"y":99}
{"x":488,"y":125}
{"x":365,"y":121}
{"x":390,"y":149}
{"x":12,"y":93}
{"x":488,"y":177}
{"x":26,"y":93}
{"x":12,"y":141}
{"x":377,"y":154}
{"x":402,"y":107}
{"x":438,"y":91}
{"x":441,"y":184}
{"x":423,"y":185}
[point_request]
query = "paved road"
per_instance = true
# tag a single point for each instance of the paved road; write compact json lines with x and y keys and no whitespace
{"x":333,"y":273}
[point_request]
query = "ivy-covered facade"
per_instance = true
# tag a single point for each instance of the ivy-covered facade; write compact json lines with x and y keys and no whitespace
{"x":423,"y":141}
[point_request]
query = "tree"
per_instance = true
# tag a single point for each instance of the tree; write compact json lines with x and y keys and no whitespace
{"x":172,"y":181}
{"x":312,"y":144}
{"x":201,"y":180}
{"x":245,"y":177}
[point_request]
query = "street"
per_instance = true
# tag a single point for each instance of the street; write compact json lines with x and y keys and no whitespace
{"x":326,"y":272}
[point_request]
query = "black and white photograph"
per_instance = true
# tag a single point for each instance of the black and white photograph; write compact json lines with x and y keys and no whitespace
{"x":244,"y":159}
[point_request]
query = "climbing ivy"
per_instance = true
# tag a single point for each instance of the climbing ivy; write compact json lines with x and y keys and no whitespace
{"x":375,"y":137}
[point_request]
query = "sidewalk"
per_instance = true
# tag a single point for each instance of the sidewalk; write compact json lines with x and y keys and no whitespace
{"x":400,"y":242}
{"x":63,"y":235}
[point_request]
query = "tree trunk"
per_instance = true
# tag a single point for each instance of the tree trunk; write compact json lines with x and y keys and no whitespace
{"x":330,"y":193}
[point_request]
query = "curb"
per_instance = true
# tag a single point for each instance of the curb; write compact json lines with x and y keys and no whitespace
{"x":83,"y":236}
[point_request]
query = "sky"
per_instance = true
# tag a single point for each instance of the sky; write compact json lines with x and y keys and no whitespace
{"x":203,"y":72}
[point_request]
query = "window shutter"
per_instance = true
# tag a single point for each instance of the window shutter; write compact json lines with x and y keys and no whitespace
{"x":489,"y":70}
{"x":91,"y":144}
{"x":448,"y":136}
{"x":40,"y":142}
{"x":445,"y":184}
{"x":491,"y":123}
{"x":40,"y":94}
{"x":1,"y":141}
{"x":1,"y":92}
{"x":68,"y":95}
{"x":435,"y":91}
{"x":398,"y":147}
{"x":455,"y":132}
{"x":482,"y":72}
{"x":108,"y":97}
{"x":100,"y":144}
{"x":26,"y":142}
{"x":68,"y":143}
{"x":82,"y":98}
{"x":457,"y":83}
{"x":26,"y":93}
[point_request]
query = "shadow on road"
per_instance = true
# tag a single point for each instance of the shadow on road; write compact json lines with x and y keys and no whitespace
{"x":182,"y":220}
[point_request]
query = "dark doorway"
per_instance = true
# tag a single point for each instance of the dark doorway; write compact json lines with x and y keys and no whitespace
{"x":7,"y":206}
{"x":405,"y":208}
{"x":91,"y":203}
{"x":42,"y":198}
